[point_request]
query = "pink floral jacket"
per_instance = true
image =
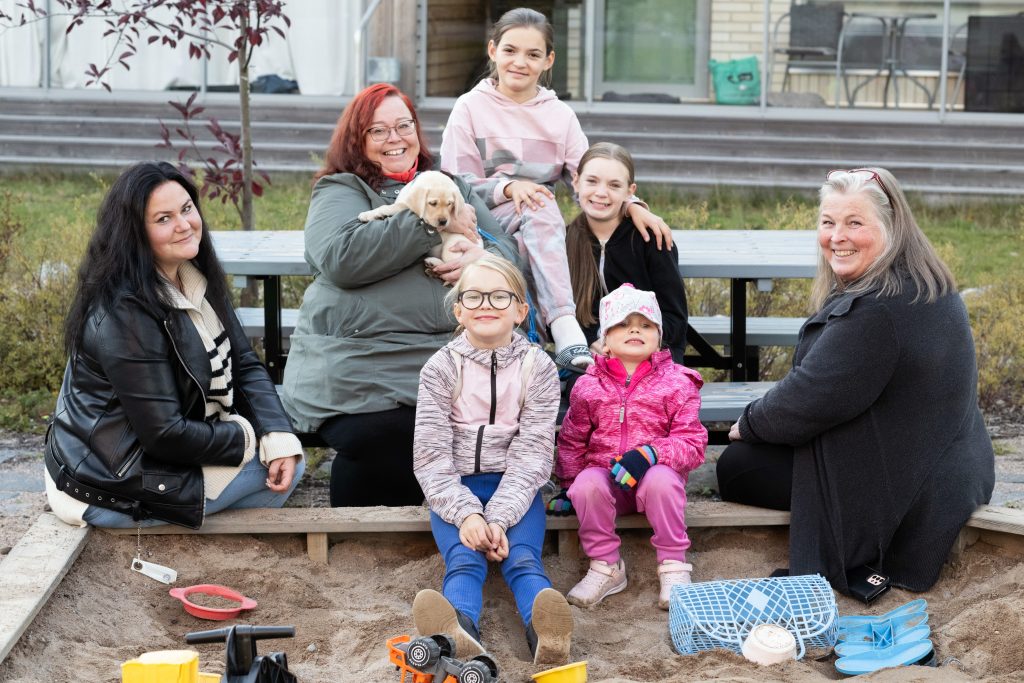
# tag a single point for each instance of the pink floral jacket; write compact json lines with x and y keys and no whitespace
{"x":610,"y":413}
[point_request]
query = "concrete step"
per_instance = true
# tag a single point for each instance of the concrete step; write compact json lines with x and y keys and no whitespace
{"x":674,"y":145}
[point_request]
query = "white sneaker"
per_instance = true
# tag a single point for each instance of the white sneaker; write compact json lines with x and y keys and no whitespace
{"x":601,"y":580}
{"x":672,"y":573}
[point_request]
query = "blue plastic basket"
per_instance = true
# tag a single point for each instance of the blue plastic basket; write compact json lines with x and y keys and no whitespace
{"x":721,"y":614}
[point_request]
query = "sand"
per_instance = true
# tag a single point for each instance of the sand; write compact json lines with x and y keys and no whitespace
{"x":103,"y":614}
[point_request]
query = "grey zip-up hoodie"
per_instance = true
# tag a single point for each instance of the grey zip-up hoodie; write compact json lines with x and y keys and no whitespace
{"x":484,"y":429}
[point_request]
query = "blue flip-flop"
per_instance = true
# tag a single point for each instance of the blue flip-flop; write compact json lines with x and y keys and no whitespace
{"x":912,"y":607}
{"x":852,"y":647}
{"x":903,"y":654}
{"x":870,"y":630}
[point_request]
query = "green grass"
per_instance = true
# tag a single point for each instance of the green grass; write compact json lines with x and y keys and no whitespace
{"x":982,"y":240}
{"x":48,"y":215}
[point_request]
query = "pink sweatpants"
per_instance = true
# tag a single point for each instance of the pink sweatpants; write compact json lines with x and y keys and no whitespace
{"x":541,"y":238}
{"x":660,"y":495}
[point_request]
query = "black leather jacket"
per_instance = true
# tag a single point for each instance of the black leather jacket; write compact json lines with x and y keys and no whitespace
{"x":129,"y":432}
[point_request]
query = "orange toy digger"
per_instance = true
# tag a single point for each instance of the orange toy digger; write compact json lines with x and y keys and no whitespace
{"x":429,"y":660}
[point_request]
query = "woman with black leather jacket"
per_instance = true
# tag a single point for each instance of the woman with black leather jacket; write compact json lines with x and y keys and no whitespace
{"x":165,"y":413}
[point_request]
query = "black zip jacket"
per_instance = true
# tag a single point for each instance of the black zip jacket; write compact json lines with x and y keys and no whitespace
{"x":628,"y":258}
{"x":129,"y":432}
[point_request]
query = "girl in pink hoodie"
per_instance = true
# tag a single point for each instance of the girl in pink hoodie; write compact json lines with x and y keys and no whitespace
{"x":515,"y":140}
{"x":631,"y":437}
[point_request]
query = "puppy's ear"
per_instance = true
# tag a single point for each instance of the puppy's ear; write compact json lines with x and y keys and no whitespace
{"x":460,"y":203}
{"x":418,"y":202}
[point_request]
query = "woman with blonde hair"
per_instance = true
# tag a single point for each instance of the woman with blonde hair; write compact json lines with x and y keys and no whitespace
{"x":874,"y":439}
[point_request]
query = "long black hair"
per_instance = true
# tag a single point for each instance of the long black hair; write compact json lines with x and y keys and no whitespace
{"x":119,"y":259}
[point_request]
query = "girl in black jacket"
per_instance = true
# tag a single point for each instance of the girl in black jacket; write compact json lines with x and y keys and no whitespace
{"x":165,"y":413}
{"x":606,"y":251}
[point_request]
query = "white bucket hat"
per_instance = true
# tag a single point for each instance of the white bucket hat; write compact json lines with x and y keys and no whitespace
{"x":627,"y":299}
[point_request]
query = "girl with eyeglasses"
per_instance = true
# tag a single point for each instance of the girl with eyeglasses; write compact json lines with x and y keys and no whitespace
{"x":515,"y":139}
{"x":372,"y":316}
{"x":485,"y":436}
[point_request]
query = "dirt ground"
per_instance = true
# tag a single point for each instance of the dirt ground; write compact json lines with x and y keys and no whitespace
{"x":103,"y":614}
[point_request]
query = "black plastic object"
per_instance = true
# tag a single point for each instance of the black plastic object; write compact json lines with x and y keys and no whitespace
{"x":994,"y":78}
{"x":243,"y":665}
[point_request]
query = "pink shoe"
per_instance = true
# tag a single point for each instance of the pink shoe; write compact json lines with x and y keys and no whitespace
{"x":672,"y":573}
{"x":601,"y":580}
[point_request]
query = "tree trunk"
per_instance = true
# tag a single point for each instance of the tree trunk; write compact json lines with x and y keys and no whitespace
{"x":248,"y":219}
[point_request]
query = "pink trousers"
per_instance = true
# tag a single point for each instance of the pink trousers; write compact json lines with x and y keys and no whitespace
{"x":660,"y":495}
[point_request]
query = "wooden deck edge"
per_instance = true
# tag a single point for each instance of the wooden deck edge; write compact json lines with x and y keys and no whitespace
{"x":397,"y":519}
{"x":999,"y":526}
{"x":32,"y":571}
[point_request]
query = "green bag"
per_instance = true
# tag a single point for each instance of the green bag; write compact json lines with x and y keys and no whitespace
{"x":737,"y":81}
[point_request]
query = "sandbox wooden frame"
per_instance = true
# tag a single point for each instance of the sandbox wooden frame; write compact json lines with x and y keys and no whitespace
{"x":36,"y":565}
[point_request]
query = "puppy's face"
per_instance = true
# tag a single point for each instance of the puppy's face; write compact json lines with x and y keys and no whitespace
{"x":440,"y":207}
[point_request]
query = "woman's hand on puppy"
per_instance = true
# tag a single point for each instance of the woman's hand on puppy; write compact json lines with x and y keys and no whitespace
{"x":531,"y":194}
{"x":464,"y":223}
{"x":450,"y":272}
{"x":280,"y":473}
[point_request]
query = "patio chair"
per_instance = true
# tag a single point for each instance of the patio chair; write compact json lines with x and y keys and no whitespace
{"x":814,"y":40}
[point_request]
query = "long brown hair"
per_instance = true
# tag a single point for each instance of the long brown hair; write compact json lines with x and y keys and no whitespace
{"x":907,"y":250}
{"x":347,"y":151}
{"x":578,"y":241}
{"x":523,"y":17}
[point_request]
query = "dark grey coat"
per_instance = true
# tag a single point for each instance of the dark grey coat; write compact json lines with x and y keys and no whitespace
{"x":891,"y":452}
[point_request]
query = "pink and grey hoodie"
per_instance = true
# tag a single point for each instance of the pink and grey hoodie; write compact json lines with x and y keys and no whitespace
{"x":495,"y":140}
{"x":610,"y":413}
{"x":484,"y":429}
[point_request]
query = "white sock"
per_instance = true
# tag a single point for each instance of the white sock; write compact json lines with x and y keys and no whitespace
{"x":566,"y":332}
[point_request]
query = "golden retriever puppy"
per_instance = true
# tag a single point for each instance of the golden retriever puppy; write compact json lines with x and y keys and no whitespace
{"x":436,"y":199}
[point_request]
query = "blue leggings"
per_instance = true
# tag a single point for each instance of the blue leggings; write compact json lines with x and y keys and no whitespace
{"x":466,"y":570}
{"x":247,"y":490}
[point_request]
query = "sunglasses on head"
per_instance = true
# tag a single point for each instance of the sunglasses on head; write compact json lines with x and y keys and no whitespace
{"x":867,"y":175}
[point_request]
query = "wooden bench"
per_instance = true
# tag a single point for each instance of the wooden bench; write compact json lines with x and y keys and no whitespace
{"x":317,"y":523}
{"x":715,"y":329}
{"x":998,"y":526}
{"x":720,"y":402}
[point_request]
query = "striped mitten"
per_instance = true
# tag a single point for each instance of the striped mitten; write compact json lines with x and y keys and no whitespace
{"x":630,"y":467}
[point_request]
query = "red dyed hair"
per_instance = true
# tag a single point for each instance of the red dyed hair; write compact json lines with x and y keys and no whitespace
{"x":347,"y":151}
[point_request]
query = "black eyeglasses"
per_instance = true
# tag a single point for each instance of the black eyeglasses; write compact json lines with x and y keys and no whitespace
{"x":499,"y":299}
{"x":865,"y":173}
{"x":381,"y":133}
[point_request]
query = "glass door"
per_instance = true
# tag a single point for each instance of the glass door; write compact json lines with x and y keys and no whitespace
{"x":656,"y":47}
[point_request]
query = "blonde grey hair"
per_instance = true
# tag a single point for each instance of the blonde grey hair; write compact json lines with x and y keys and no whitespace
{"x":906,"y":251}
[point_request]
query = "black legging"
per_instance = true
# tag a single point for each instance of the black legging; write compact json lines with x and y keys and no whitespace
{"x":374,"y":461}
{"x":756,"y":474}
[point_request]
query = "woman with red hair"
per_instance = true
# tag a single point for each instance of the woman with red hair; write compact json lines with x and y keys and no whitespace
{"x":373,"y":316}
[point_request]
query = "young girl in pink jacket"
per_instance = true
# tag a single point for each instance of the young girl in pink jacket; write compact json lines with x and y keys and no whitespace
{"x":515,"y":140}
{"x":631,"y":437}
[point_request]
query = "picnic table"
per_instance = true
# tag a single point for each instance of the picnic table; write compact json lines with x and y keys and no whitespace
{"x":741,"y":256}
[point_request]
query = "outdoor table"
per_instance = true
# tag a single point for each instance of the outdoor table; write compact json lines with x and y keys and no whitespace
{"x":894,"y":30}
{"x":741,"y":256}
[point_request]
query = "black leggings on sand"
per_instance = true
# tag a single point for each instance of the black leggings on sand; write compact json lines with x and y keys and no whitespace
{"x":374,"y":461}
{"x":756,"y":474}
